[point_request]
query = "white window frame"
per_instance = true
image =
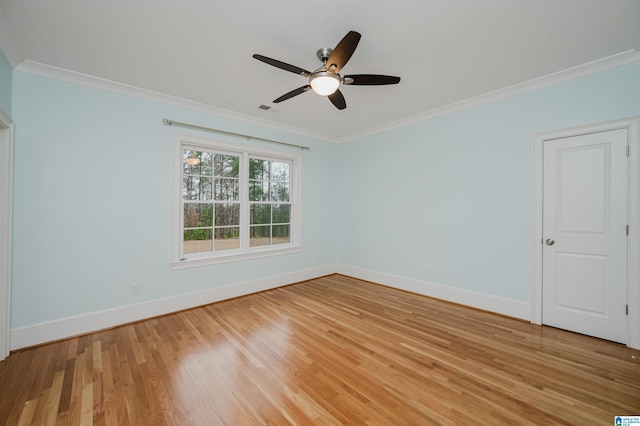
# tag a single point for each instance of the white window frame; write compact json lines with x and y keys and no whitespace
{"x":245,"y":252}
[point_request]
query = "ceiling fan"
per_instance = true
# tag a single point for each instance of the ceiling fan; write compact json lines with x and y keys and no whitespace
{"x":326,"y":80}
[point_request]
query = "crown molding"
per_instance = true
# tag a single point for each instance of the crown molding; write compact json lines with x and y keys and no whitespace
{"x":5,"y":120}
{"x":49,"y":71}
{"x":588,"y":68}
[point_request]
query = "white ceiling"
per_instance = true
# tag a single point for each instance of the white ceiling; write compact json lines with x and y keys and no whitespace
{"x":446,"y":51}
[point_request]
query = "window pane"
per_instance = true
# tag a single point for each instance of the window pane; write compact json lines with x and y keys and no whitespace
{"x":280,"y":234}
{"x":258,"y":169}
{"x":197,"y":215}
{"x":258,"y":191}
{"x":197,"y":241}
{"x":281,"y":213}
{"x":279,"y":191}
{"x":214,"y":205}
{"x":260,"y":213}
{"x":227,"y":238}
{"x":196,"y":188}
{"x":227,"y":214}
{"x":280,"y":171}
{"x":226,"y":165}
{"x":227,"y":189}
{"x":196,"y":162}
{"x":259,"y":236}
{"x":206,"y":163}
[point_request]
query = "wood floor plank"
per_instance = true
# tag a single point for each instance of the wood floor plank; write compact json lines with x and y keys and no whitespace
{"x":26,"y":416}
{"x":331,"y":351}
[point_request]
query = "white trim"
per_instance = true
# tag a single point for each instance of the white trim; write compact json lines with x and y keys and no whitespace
{"x":207,"y":261}
{"x":6,"y":137}
{"x":593,"y":67}
{"x":178,"y":261}
{"x":5,"y":120}
{"x":49,"y":71}
{"x":633,"y":277}
{"x":496,"y":304}
{"x":633,"y":254}
{"x":36,"y":334}
{"x":536,"y":273}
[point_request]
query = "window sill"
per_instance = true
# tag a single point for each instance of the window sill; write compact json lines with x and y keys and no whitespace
{"x":206,"y":261}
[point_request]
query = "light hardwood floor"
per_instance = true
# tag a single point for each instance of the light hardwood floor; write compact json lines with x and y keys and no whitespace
{"x":333,"y":350}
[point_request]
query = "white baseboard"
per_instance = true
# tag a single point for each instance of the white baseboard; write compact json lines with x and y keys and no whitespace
{"x":499,"y":305}
{"x":37,"y":334}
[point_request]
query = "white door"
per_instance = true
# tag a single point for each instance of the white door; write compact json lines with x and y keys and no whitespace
{"x":584,"y":260}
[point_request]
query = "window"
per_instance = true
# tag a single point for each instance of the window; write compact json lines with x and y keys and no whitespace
{"x":233,"y":204}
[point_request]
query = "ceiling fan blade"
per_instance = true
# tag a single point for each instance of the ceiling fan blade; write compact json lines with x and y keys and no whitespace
{"x":282,"y":65}
{"x":337,"y":99}
{"x":370,"y":79}
{"x":343,"y":51}
{"x":292,"y":93}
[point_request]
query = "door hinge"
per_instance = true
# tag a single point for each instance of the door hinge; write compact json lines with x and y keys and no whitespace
{"x":626,"y":309}
{"x":627,"y":150}
{"x":627,"y":230}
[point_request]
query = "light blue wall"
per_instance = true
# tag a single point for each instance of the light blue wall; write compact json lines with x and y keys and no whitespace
{"x":93,"y":202}
{"x":6,"y":76}
{"x":93,"y":194}
{"x":455,"y":192}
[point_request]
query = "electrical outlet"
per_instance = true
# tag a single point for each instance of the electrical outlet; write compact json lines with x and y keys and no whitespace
{"x":135,"y":289}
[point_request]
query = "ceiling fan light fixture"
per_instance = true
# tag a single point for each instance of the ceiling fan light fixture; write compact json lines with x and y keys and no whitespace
{"x":324,"y":83}
{"x":326,"y":80}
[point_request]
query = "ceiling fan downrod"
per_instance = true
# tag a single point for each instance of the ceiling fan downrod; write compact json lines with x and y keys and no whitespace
{"x":324,"y":53}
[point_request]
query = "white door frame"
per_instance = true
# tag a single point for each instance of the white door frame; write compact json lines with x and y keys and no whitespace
{"x":6,"y":195}
{"x":633,"y":241}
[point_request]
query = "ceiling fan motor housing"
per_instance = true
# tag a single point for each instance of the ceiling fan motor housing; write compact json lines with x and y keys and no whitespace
{"x":324,"y":53}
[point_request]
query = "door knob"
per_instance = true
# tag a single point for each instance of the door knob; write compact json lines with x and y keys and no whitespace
{"x":550,"y":242}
